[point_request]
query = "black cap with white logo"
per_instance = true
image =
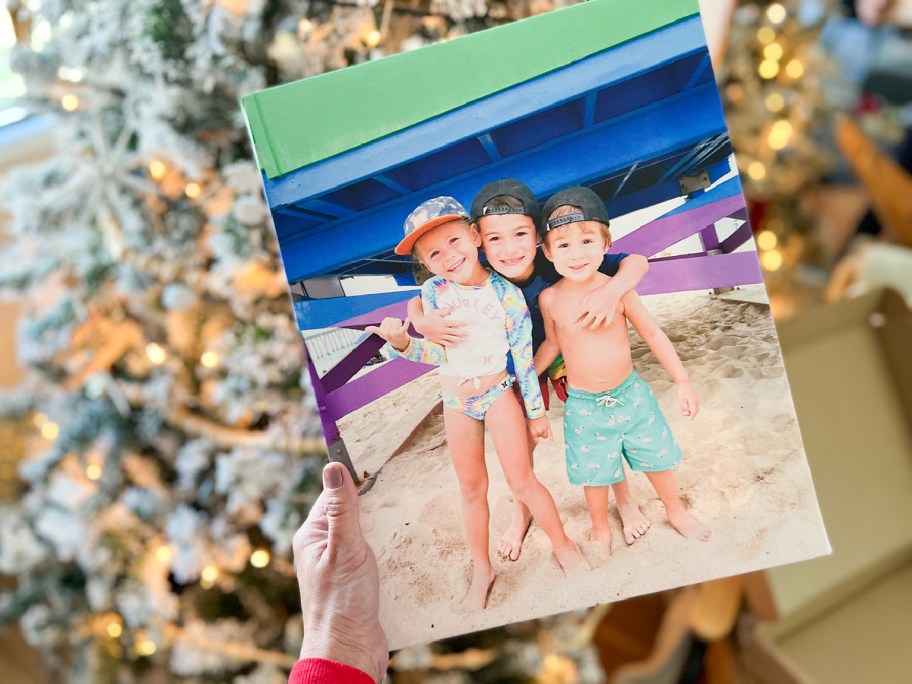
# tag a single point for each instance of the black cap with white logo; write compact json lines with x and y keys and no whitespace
{"x":510,"y":187}
{"x":592,"y":206}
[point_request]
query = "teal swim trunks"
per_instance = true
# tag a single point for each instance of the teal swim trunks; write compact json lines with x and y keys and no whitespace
{"x":625,"y":421}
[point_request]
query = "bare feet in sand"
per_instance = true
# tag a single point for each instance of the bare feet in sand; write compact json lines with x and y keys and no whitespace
{"x":571,"y":560}
{"x":688,"y":526}
{"x":477,"y":596}
{"x":512,"y":540}
{"x":602,"y":536}
{"x":635,"y":524}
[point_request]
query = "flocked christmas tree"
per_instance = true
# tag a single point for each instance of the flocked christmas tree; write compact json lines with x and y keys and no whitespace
{"x":177,"y":445}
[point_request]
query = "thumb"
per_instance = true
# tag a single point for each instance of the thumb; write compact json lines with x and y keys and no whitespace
{"x":405,"y":325}
{"x":341,"y":505}
{"x":372,"y":329}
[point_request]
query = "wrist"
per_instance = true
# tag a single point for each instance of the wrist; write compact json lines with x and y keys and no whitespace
{"x":339,"y":648}
{"x":613,"y":284}
{"x":612,"y":288}
{"x":403,"y":345}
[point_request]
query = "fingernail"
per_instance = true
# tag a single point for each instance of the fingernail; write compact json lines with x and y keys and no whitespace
{"x":332,"y":477}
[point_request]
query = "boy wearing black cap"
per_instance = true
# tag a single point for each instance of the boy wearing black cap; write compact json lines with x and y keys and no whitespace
{"x":610,"y":411}
{"x":507,"y":215}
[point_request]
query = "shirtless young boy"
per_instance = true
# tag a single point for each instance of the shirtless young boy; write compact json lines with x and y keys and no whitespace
{"x":610,"y":412}
{"x":506,"y":214}
{"x":476,"y":383}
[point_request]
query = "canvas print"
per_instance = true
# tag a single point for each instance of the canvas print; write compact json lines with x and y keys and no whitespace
{"x":534,"y":317}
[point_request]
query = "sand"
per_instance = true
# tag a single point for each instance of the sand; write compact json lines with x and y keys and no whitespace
{"x":744,"y":474}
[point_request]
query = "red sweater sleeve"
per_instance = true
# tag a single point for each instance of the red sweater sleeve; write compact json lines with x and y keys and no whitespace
{"x":323,"y":671}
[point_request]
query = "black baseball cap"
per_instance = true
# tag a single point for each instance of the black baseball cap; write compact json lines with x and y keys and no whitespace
{"x":512,"y":188}
{"x":593,"y":208}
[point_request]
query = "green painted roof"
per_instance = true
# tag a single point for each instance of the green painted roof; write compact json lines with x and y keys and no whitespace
{"x":305,"y":122}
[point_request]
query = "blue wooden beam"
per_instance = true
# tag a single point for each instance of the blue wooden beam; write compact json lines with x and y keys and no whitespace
{"x":649,"y":195}
{"x":324,"y":206}
{"x":392,"y":184}
{"x":627,"y":202}
{"x":589,"y":109}
{"x":639,"y":56}
{"x":679,"y":121}
{"x":699,"y":71}
{"x":487,"y":142}
{"x":294,"y":213}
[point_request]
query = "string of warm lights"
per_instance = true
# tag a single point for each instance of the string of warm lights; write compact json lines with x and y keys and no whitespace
{"x":144,"y":643}
{"x":774,"y":110}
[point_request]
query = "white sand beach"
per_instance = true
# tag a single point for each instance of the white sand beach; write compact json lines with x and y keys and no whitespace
{"x":744,"y":474}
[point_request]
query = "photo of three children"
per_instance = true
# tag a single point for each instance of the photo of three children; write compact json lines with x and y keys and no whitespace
{"x":527,"y":283}
{"x":493,"y":323}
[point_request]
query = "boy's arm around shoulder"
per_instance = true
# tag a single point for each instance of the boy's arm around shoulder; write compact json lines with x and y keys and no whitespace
{"x":656,"y":339}
{"x":434,"y":324}
{"x":630,"y":272}
{"x":599,"y":306}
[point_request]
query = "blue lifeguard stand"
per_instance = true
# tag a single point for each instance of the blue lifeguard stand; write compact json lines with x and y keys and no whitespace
{"x":601,"y":94}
